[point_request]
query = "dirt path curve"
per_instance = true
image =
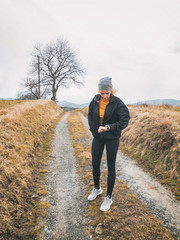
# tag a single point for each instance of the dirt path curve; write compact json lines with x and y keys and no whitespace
{"x":157,"y":198}
{"x":66,"y":192}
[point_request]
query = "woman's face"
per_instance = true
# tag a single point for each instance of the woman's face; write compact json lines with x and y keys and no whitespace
{"x":105,"y":94}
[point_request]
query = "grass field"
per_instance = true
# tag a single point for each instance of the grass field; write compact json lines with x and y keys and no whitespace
{"x":26,"y":129}
{"x":25,"y":135}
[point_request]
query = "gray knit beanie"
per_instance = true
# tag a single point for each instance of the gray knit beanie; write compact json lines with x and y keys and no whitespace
{"x":105,"y":84}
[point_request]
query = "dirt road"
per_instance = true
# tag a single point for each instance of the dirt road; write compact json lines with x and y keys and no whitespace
{"x":67,"y":193}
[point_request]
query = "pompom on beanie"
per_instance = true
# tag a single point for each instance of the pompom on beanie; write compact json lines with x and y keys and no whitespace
{"x":105,"y":84}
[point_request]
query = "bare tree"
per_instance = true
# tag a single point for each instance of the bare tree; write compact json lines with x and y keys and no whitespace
{"x":30,"y":90}
{"x":59,"y":66}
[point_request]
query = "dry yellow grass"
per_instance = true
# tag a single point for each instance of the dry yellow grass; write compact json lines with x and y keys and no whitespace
{"x":5,"y":105}
{"x":128,"y":217}
{"x":152,"y":138}
{"x":23,"y":147}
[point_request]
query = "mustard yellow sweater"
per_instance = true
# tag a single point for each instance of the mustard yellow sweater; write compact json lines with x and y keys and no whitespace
{"x":102,"y":107}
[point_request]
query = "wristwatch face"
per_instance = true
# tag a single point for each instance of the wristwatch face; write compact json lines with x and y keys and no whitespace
{"x":108,"y":127}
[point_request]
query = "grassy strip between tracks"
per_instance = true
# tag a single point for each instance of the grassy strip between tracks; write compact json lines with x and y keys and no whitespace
{"x":128,"y":217}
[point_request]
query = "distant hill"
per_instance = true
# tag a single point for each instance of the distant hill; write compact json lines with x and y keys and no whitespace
{"x":173,"y":102}
{"x":65,"y":104}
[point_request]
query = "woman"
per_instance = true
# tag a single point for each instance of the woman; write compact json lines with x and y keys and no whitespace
{"x":107,"y":117}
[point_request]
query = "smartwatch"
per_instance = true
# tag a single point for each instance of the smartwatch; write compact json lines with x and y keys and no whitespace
{"x":108,"y":127}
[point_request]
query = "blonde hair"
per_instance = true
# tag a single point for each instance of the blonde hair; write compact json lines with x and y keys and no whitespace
{"x":113,"y":91}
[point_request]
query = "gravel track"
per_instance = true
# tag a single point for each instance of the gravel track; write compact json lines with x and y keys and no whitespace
{"x":157,"y":198}
{"x":66,"y":191}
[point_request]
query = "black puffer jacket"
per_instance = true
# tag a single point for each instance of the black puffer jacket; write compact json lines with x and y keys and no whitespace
{"x":116,"y":116}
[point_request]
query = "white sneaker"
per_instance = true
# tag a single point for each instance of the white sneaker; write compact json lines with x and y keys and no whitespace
{"x":95,"y":192}
{"x":105,"y":206}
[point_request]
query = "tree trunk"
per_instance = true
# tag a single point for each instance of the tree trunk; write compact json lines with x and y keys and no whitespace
{"x":54,"y":92}
{"x":54,"y":97}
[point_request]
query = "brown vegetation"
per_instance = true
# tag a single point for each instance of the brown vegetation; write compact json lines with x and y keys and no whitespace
{"x":25,"y":137}
{"x":5,"y":105}
{"x":128,"y":217}
{"x":152,"y":138}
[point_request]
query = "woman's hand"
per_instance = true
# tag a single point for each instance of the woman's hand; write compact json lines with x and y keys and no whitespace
{"x":102,"y":129}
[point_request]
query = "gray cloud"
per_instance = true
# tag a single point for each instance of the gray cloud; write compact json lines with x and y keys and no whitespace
{"x":128,"y":40}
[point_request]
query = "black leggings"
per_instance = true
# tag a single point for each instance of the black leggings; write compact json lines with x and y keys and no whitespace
{"x":111,"y":151}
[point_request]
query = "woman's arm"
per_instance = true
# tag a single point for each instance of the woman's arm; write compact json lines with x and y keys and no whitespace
{"x":90,"y":115}
{"x":123,"y":118}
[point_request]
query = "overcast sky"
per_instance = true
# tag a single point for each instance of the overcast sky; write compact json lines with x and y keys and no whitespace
{"x":136,"y":42}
